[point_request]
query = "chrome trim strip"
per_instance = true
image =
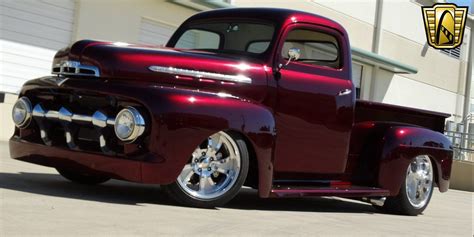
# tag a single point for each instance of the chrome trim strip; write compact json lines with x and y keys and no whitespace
{"x":111,"y":121}
{"x":52,"y":114}
{"x":77,"y":69}
{"x":65,"y":115}
{"x":81,"y":118}
{"x":201,"y":74}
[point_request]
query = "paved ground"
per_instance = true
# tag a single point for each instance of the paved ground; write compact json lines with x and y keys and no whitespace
{"x":35,"y":201}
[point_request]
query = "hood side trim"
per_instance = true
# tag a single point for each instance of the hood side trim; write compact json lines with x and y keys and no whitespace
{"x":201,"y":74}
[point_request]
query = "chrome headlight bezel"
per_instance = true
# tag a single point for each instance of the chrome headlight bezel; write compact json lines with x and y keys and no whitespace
{"x":25,"y":104}
{"x":137,"y":125}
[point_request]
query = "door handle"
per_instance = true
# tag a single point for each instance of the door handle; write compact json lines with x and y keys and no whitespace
{"x":345,"y":92}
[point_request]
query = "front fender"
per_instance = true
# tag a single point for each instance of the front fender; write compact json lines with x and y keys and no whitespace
{"x":401,"y":144}
{"x":184,"y":118}
{"x":178,"y":120}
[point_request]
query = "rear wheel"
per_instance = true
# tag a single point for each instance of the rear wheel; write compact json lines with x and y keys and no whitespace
{"x":82,"y":178}
{"x":214,"y":174}
{"x":416,"y":190}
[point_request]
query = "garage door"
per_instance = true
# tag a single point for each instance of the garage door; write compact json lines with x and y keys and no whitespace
{"x":31,"y":31}
{"x":155,"y":32}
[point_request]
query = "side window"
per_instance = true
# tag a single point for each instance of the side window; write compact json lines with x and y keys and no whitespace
{"x":198,"y":39}
{"x":316,"y":48}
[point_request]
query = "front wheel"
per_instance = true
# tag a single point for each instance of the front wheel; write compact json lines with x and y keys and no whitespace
{"x":214,"y":174}
{"x":416,"y":190}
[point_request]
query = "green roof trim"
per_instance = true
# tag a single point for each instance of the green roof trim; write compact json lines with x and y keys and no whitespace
{"x":381,"y":61}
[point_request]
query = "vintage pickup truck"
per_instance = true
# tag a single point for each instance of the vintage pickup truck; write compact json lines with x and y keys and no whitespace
{"x":254,"y":97}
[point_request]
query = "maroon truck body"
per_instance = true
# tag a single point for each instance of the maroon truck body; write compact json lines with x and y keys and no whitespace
{"x":304,"y":136}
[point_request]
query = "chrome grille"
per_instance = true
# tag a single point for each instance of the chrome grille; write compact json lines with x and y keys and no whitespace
{"x":75,"y":68}
{"x":99,"y":121}
{"x":80,"y":120}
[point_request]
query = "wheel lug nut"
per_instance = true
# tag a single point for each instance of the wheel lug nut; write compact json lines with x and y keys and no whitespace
{"x":199,"y":169}
{"x":209,"y":169}
{"x":212,"y":159}
{"x":196,"y":161}
{"x":203,"y":154}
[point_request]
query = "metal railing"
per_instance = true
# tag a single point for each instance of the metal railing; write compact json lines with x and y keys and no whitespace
{"x":463,"y":142}
{"x":463,"y":145}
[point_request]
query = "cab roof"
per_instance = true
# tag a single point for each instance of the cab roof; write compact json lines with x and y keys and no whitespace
{"x":281,"y":17}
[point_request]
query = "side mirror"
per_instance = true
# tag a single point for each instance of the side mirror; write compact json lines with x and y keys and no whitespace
{"x":293,"y":55}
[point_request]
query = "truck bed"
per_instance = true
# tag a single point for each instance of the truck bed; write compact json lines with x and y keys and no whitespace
{"x":374,"y":111}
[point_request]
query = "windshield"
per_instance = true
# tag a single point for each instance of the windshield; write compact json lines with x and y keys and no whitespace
{"x":226,"y":37}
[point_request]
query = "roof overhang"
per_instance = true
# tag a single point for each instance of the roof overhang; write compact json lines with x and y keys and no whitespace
{"x":364,"y":56}
{"x":202,"y":5}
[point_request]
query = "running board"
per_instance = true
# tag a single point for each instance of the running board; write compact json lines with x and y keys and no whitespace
{"x":351,"y":191}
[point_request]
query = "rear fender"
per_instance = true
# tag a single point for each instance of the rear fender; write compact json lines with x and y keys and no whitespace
{"x":403,"y":143}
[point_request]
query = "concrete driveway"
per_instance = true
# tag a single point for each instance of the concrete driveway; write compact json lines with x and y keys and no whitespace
{"x":36,"y":201}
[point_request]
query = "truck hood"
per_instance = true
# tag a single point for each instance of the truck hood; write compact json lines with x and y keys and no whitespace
{"x":159,"y":64}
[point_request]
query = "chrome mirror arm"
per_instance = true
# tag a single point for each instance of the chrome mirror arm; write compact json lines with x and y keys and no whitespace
{"x":293,"y":55}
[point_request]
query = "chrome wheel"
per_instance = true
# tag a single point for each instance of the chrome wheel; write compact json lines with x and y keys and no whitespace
{"x":213,"y":169}
{"x":419,"y":181}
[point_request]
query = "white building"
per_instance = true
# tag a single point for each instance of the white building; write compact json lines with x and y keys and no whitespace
{"x":392,"y":62}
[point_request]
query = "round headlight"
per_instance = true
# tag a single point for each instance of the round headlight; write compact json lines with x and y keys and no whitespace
{"x":21,"y":112}
{"x":129,"y":124}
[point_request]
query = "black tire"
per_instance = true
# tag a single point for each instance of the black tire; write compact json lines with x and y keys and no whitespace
{"x":82,"y":178}
{"x":400,"y":204}
{"x":176,"y":192}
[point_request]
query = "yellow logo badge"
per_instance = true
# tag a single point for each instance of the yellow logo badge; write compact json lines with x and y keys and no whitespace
{"x":444,"y":25}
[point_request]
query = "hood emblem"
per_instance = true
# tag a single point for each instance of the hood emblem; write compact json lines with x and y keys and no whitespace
{"x":201,"y":74}
{"x":59,"y":81}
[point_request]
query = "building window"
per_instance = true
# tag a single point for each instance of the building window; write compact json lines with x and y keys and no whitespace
{"x":357,"y":78}
{"x":455,"y":53}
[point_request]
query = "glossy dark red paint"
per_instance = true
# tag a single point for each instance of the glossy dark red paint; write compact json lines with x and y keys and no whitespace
{"x":380,"y":152}
{"x":293,"y":119}
{"x":309,"y":101}
{"x":402,"y":144}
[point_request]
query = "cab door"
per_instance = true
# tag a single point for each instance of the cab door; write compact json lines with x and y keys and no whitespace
{"x":314,"y":108}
